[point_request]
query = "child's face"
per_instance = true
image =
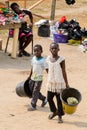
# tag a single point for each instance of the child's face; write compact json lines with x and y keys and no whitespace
{"x":16,"y":9}
{"x":54,"y":48}
{"x":37,"y":52}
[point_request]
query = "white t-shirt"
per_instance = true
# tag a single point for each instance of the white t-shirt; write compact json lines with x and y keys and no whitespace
{"x":38,"y":65}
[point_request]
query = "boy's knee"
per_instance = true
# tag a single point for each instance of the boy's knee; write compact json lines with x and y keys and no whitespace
{"x":22,"y":39}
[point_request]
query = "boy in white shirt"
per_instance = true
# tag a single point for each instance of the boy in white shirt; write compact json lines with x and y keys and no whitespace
{"x":38,"y":64}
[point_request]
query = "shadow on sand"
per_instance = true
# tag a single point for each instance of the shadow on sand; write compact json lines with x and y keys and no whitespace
{"x":78,"y":124}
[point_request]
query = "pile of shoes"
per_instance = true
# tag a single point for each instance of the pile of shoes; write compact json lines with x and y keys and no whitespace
{"x":73,"y":29}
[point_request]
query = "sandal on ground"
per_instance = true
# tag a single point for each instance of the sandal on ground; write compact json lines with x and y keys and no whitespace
{"x":31,"y":108}
{"x":44,"y":103}
{"x":9,"y":54}
{"x":25,"y":53}
{"x":20,"y":55}
{"x":52,"y":115}
{"x":60,"y":119}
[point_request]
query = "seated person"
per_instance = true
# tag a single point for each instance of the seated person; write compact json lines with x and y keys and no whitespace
{"x":25,"y":35}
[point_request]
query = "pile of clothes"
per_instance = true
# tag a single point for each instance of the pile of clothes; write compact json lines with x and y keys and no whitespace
{"x":83,"y":46}
{"x":8,"y":16}
{"x":73,"y":28}
{"x":70,"y":28}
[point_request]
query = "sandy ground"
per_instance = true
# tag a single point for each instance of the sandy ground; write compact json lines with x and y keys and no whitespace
{"x":13,"y":109}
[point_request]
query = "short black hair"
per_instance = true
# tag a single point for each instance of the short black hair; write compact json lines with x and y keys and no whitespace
{"x":13,"y":4}
{"x":39,"y":46}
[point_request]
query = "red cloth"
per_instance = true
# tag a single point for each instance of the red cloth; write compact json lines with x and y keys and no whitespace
{"x":62,"y":19}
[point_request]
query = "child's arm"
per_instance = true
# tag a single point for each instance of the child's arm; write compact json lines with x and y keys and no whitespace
{"x":46,"y":65}
{"x":64,"y":73}
{"x":47,"y":70}
{"x":30,"y":75}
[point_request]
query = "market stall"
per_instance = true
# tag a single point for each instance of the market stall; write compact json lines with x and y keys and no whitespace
{"x":10,"y":20}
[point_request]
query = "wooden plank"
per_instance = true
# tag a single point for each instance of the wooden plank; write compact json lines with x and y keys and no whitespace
{"x":8,"y":26}
{"x":16,"y":27}
{"x":40,"y":1}
{"x":40,"y":16}
{"x":15,"y":43}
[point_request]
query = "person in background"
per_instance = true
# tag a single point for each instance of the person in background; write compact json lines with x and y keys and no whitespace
{"x":38,"y":64}
{"x":25,"y":32}
{"x":57,"y":81}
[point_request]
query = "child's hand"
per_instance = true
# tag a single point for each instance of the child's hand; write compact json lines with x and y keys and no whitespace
{"x":67,"y":86}
{"x":30,"y":25}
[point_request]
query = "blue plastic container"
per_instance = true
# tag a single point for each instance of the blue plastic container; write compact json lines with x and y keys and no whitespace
{"x":60,"y":38}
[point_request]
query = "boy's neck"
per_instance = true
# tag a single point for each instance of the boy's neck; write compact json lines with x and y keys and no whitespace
{"x":38,"y":58}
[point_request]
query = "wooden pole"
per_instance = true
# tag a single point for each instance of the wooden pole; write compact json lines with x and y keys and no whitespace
{"x":25,"y":3}
{"x":52,"y":17}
